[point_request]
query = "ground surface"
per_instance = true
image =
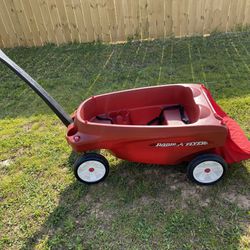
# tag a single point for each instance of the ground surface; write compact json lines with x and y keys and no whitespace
{"x":138,"y":206}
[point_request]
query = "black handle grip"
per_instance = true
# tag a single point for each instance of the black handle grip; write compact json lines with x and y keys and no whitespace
{"x":49,"y":100}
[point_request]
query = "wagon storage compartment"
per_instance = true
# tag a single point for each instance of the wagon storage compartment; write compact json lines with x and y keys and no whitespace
{"x":139,"y":107}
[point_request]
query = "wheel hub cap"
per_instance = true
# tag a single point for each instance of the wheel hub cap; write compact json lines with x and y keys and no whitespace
{"x":91,"y":171}
{"x":208,"y":171}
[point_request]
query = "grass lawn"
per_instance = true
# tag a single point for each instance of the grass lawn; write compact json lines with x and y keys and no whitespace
{"x":139,"y":206}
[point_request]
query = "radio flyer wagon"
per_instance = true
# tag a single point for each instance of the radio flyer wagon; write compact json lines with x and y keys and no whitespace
{"x":167,"y":124}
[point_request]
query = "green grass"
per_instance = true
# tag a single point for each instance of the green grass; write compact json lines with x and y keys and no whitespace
{"x":138,"y":206}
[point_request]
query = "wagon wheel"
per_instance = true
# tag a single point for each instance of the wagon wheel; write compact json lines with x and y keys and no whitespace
{"x":91,"y":168}
{"x":206,"y":169}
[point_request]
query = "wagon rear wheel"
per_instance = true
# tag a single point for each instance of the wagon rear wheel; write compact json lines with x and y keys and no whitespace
{"x":206,"y":169}
{"x":91,"y":168}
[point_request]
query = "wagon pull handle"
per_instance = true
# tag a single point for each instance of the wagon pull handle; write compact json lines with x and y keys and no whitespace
{"x":49,"y":100}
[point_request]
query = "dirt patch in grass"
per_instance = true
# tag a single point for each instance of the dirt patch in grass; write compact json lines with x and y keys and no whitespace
{"x":189,"y":192}
{"x":6,"y":163}
{"x":19,"y":152}
{"x":242,"y":201}
{"x":27,"y":127}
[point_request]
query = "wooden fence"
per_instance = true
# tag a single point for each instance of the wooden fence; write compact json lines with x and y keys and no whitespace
{"x":37,"y":22}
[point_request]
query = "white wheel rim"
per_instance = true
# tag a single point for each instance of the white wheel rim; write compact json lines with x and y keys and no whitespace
{"x":91,"y":171}
{"x":208,"y":171}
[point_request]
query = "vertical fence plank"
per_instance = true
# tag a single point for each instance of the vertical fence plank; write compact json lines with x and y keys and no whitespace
{"x":88,"y":20}
{"x":3,"y":34}
{"x":208,"y":16}
{"x":144,"y":23}
{"x":246,"y":21}
{"x":18,"y":9}
{"x":76,"y":5}
{"x":152,"y":19}
{"x":133,"y":11}
{"x":135,"y":18}
{"x":120,"y":21}
{"x":47,"y":21}
{"x":215,"y":15}
{"x":192,"y":16}
{"x":168,"y":20}
{"x":63,"y":20}
{"x":71,"y":23}
{"x":200,"y":17}
{"x":176,"y":18}
{"x":95,"y":19}
{"x":60,"y":34}
{"x":220,"y":9}
{"x":8,"y":32}
{"x":34,"y":5}
{"x":102,"y":9}
{"x":232,"y":15}
{"x":156,"y":18}
{"x":23,"y":22}
{"x":127,"y":20}
{"x":32,"y":23}
{"x":224,"y":15}
{"x":159,"y":13}
{"x":240,"y":14}
{"x":1,"y":40}
{"x":184,"y":4}
{"x":14,"y":19}
{"x":112,"y":20}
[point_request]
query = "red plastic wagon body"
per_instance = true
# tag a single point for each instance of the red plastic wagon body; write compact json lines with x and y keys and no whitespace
{"x":130,"y":137}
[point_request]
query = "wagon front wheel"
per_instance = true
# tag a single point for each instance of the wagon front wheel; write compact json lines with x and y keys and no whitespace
{"x":206,"y":169}
{"x":91,"y":168}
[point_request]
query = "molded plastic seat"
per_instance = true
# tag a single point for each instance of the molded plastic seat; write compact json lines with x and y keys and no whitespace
{"x":172,"y":117}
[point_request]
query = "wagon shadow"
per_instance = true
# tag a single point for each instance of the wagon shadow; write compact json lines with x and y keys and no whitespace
{"x":84,"y":209}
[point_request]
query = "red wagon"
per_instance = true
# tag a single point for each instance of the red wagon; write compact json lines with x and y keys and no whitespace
{"x":166,"y":124}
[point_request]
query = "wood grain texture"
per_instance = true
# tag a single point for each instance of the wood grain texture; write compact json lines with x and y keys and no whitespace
{"x":12,"y":13}
{"x":168,"y":20}
{"x":9,"y":36}
{"x":112,"y":19}
{"x":144,"y":22}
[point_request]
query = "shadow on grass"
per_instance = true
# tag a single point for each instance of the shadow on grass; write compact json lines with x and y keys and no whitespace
{"x":146,"y":206}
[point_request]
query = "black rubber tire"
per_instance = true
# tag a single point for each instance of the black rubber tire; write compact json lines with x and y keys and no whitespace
{"x":91,"y":157}
{"x":201,"y":158}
